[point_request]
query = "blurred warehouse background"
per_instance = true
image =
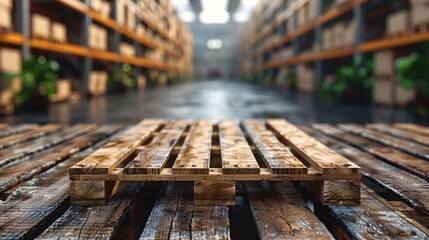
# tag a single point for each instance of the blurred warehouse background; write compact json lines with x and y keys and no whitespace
{"x":121,"y":60}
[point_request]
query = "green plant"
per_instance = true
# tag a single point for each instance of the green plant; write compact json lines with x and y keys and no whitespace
{"x":352,"y":83}
{"x":122,"y":78}
{"x":38,"y":79}
{"x":292,"y":80}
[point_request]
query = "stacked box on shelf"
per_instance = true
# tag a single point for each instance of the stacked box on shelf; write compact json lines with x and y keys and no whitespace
{"x":10,"y":62}
{"x":127,"y":49}
{"x":339,"y":35}
{"x":40,"y":26}
{"x":307,"y":12}
{"x":419,"y":13}
{"x":59,"y":32}
{"x":101,"y":6}
{"x":63,"y":91}
{"x":306,"y":78}
{"x":97,"y":37}
{"x":6,"y":14}
{"x":398,"y":22}
{"x":386,"y":90}
{"x":97,"y":83}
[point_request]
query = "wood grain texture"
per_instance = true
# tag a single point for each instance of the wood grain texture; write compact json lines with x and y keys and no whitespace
{"x":32,"y":205}
{"x":403,"y":145}
{"x":94,"y":222}
{"x":194,"y":156}
{"x":410,"y":188}
{"x":26,"y":149}
{"x":116,"y":150}
{"x":318,"y":155}
{"x":280,"y":212}
{"x":214,"y":193}
{"x":422,"y":130}
{"x":28,"y":135}
{"x":15,"y":172}
{"x":174,"y":216}
{"x":152,"y":159}
{"x":16,"y":129}
{"x":237,"y":157}
{"x":407,"y":162}
{"x":375,"y":219}
{"x":278,"y":158}
{"x":399,"y":133}
{"x":336,"y":192}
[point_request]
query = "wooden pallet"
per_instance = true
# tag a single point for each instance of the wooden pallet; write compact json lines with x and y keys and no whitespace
{"x":214,"y":156}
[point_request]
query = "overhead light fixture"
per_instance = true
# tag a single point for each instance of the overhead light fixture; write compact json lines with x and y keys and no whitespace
{"x":187,"y":16}
{"x":214,"y":12}
{"x":180,"y":3}
{"x":241,"y":16}
{"x":214,"y":44}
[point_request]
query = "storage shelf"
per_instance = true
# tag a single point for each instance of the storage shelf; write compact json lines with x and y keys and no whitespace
{"x":11,"y":38}
{"x":375,"y":45}
{"x":326,"y":17}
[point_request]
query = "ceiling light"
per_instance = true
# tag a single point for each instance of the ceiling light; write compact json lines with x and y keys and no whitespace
{"x":241,"y":16}
{"x":214,"y":17}
{"x":214,"y":44}
{"x":187,"y":16}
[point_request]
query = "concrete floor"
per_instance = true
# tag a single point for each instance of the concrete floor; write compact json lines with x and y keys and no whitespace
{"x":214,"y":100}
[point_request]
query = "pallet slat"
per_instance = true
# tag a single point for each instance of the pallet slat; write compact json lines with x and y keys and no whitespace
{"x":321,"y":157}
{"x":278,"y":158}
{"x":116,"y":150}
{"x":413,"y":127}
{"x":194,"y":157}
{"x":237,"y":157}
{"x":411,"y":189}
{"x":399,"y":133}
{"x":409,"y":163}
{"x":32,"y":205}
{"x":280,"y":212}
{"x":27,"y":148}
{"x":403,"y":145}
{"x":31,"y":134}
{"x":15,"y":172}
{"x":16,"y":129}
{"x":152,"y":158}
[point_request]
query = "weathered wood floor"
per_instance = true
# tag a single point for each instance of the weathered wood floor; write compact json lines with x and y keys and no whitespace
{"x":34,"y":183}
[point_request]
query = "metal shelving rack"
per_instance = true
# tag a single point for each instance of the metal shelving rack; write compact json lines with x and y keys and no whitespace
{"x":259,"y":48}
{"x":21,"y":38}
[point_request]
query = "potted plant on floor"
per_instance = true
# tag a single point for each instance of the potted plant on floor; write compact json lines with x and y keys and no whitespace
{"x":412,"y":72}
{"x":38,"y":82}
{"x":353,"y":83}
{"x":121,"y":79}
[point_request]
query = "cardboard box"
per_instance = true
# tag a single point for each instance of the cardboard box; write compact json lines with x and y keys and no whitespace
{"x":305,"y":78}
{"x":41,"y":26}
{"x":350,"y":33}
{"x":384,"y":63}
{"x":398,"y":22}
{"x":5,"y":18}
{"x":120,"y":11}
{"x":141,"y":82}
{"x":96,"y":5}
{"x":126,"y":49}
{"x":6,"y":97}
{"x":6,"y":3}
{"x":420,"y":16}
{"x":64,"y":89}
{"x":97,"y":83}
{"x":383,"y":91}
{"x":10,"y":60}
{"x":403,"y":96}
{"x":106,"y":8}
{"x":59,"y":32}
{"x":131,"y":19}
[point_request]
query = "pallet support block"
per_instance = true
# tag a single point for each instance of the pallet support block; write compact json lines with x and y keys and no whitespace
{"x":214,"y":192}
{"x":92,"y":193}
{"x":340,"y":192}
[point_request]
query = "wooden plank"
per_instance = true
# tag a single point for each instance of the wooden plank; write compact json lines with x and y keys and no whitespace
{"x":16,"y":129}
{"x":414,"y":128}
{"x":280,"y":212}
{"x":26,"y":149}
{"x":384,"y":128}
{"x":407,"y":162}
{"x":94,"y":222}
{"x":214,"y":193}
{"x":278,"y":158}
{"x":403,"y":145}
{"x":118,"y":149}
{"x":174,"y":217}
{"x":33,"y":205}
{"x":29,"y":135}
{"x":237,"y":157}
{"x":154,"y":157}
{"x":375,"y":219}
{"x":411,"y":189}
{"x":15,"y":172}
{"x":194,"y":157}
{"x":318,"y":155}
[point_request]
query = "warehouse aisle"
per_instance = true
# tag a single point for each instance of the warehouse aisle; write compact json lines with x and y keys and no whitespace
{"x":214,"y":100}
